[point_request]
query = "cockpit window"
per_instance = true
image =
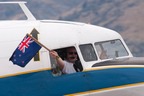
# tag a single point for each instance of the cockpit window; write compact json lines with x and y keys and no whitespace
{"x":88,"y":52}
{"x":110,"y":49}
{"x":69,"y":63}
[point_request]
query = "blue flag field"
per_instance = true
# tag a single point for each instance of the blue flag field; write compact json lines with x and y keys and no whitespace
{"x":25,"y":51}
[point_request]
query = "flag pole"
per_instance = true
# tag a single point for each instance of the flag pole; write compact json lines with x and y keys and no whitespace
{"x":38,"y":42}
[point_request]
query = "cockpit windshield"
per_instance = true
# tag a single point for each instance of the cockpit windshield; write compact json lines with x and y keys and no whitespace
{"x":104,"y":50}
{"x":110,"y":49}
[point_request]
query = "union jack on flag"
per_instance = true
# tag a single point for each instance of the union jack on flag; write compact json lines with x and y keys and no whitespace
{"x":25,"y":51}
{"x":25,"y":44}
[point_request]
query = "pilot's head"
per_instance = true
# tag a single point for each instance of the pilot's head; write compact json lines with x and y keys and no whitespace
{"x":71,"y":54}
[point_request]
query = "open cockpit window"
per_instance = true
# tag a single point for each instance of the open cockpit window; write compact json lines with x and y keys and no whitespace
{"x":110,"y":49}
{"x":70,"y":59}
{"x":88,"y":52}
{"x":55,"y":68}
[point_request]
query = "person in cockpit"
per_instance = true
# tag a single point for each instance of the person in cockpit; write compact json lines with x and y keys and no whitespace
{"x":66,"y":65}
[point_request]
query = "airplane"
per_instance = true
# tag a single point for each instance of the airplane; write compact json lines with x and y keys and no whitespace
{"x":108,"y":67}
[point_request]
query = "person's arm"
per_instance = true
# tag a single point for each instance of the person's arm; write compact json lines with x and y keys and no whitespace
{"x":58,"y":59}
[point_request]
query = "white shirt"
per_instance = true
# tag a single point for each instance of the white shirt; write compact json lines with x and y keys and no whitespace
{"x":68,"y":68}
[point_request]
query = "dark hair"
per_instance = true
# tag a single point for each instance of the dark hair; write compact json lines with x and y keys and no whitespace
{"x":63,"y":52}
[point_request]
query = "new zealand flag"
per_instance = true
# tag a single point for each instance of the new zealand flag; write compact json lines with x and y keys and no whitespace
{"x":25,"y":51}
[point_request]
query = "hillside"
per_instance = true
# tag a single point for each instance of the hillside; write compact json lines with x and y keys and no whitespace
{"x":123,"y":16}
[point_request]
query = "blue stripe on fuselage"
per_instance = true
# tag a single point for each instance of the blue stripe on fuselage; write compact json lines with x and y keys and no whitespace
{"x":44,"y":84}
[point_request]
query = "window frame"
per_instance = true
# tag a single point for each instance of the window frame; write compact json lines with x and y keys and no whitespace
{"x":93,"y":52}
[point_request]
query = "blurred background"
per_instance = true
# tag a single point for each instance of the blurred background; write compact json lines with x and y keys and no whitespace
{"x":123,"y":16}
